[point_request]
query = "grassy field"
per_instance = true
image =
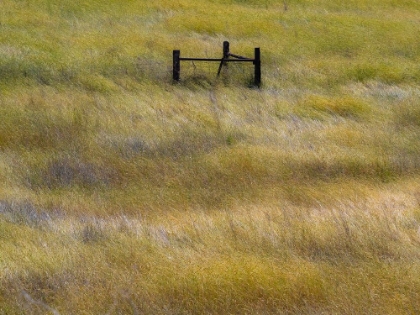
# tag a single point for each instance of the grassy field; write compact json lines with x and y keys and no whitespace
{"x":124,"y":193}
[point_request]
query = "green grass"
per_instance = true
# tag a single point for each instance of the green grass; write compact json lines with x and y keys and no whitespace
{"x":123,"y":193}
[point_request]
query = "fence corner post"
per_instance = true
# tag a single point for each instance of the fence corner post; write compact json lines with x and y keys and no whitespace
{"x":176,"y":65}
{"x":257,"y":67}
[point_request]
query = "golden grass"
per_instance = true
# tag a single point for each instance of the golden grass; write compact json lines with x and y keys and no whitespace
{"x":350,"y":256}
{"x":121,"y":192}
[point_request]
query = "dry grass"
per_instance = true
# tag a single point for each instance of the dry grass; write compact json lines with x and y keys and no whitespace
{"x":122,"y":193}
{"x":347,"y":256}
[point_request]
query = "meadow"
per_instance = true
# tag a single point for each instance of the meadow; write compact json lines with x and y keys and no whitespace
{"x":122,"y":192}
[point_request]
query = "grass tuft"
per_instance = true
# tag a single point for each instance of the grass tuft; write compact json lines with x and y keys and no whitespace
{"x":347,"y":107}
{"x":24,"y":213}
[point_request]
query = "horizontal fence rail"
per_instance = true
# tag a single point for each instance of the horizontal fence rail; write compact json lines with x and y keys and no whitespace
{"x":227,"y":57}
{"x":219,"y":60}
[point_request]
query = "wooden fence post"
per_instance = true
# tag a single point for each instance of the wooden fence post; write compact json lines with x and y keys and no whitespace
{"x":225,"y":56}
{"x":257,"y":65}
{"x":176,"y":65}
{"x":226,"y":50}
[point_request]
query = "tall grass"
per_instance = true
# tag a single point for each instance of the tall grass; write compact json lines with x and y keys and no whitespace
{"x":121,"y":192}
{"x":348,"y":257}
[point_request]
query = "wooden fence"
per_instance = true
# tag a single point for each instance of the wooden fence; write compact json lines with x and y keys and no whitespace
{"x":227,"y":57}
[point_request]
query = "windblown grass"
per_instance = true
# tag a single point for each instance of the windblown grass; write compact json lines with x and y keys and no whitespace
{"x":346,"y":256}
{"x":121,"y":192}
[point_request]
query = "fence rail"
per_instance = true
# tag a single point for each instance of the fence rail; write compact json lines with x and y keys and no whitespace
{"x":227,"y":57}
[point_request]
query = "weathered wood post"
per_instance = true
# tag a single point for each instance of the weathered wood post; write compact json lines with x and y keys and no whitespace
{"x":226,"y":54}
{"x":226,"y":50}
{"x":176,"y":65}
{"x":257,"y":67}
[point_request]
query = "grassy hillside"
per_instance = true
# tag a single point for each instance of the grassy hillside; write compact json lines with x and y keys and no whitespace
{"x":124,"y":193}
